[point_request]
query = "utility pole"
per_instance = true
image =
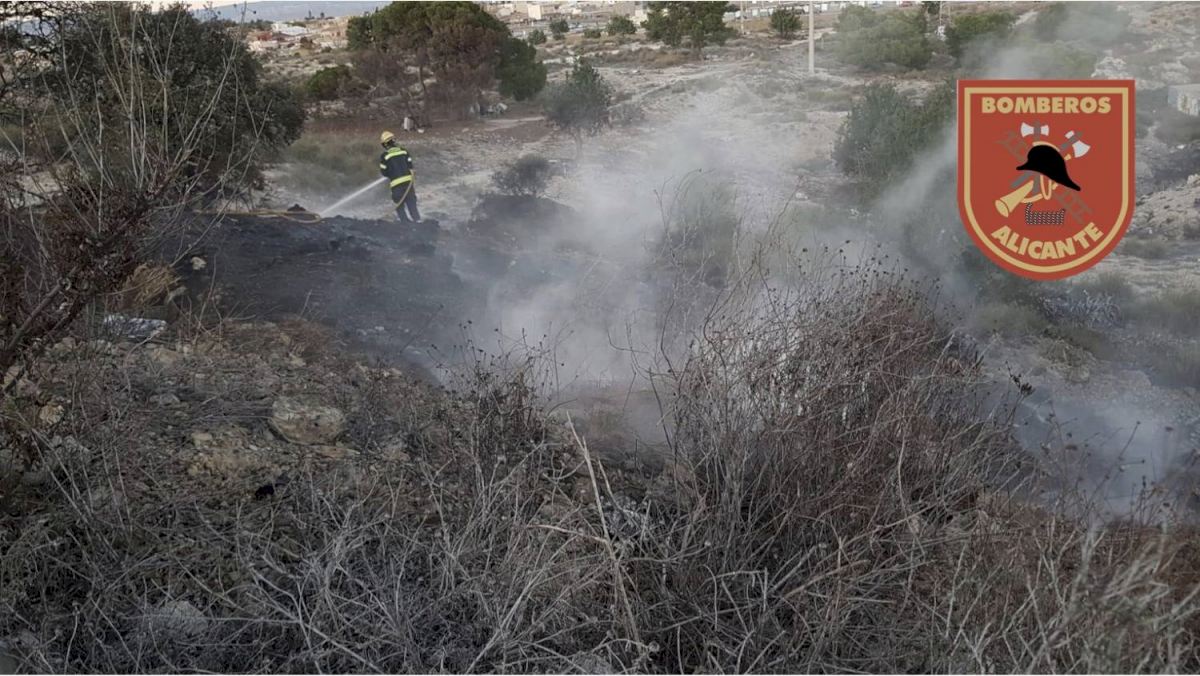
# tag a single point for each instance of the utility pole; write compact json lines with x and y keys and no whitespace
{"x":812,"y":25}
{"x":742,"y":16}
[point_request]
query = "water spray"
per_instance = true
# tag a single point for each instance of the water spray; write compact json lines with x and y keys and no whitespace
{"x":351,"y":196}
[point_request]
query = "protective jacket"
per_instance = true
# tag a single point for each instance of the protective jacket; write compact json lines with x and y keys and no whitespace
{"x":396,"y":165}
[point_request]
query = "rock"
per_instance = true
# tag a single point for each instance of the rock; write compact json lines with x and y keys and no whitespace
{"x":51,"y":414}
{"x":198,"y":263}
{"x":25,"y":388}
{"x":227,"y":438}
{"x":165,"y":399}
{"x":306,"y":423}
{"x":231,"y":465}
{"x":336,"y":452}
{"x":164,"y":356}
{"x":66,"y":345}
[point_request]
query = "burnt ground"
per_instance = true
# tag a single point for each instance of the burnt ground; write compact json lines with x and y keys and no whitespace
{"x":382,"y":288}
{"x":395,"y":292}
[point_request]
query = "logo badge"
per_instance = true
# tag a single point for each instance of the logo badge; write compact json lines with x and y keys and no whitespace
{"x":1045,"y":171}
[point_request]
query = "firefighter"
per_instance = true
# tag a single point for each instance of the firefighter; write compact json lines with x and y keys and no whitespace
{"x":396,"y":165}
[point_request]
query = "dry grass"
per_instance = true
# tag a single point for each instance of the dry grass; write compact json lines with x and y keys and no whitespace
{"x":837,"y":500}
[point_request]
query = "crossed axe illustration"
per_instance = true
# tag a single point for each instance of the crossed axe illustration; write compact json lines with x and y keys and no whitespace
{"x":1071,"y":147}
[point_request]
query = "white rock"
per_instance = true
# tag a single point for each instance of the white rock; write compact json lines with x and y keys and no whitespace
{"x":306,"y":423}
{"x":51,"y":414}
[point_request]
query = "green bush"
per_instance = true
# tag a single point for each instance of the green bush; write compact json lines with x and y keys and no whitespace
{"x":330,"y":83}
{"x":886,"y":129}
{"x":978,"y":28}
{"x":1150,"y":249}
{"x":559,"y":28}
{"x":592,"y":33}
{"x":537,"y":37}
{"x":520,"y":74}
{"x":621,"y":25}
{"x":786,"y":23}
{"x":871,"y":39}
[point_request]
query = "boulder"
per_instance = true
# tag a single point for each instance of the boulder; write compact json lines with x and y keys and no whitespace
{"x":306,"y":423}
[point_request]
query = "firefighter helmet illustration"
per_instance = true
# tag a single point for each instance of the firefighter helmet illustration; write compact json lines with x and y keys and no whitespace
{"x":1039,"y":225}
{"x":1045,"y":160}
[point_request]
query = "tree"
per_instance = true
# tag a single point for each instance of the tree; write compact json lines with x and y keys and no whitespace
{"x":176,"y":114}
{"x":987,"y":28}
{"x":521,"y":75}
{"x":459,"y":43}
{"x":592,"y":33}
{"x":621,"y":25}
{"x":579,"y":106}
{"x":871,"y":39}
{"x":330,"y":83}
{"x":700,"y":23}
{"x":204,"y":71}
{"x":785,"y":23}
{"x":559,"y":28}
{"x":537,"y":36}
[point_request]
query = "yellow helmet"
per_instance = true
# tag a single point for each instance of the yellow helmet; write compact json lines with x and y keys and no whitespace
{"x":386,"y":136}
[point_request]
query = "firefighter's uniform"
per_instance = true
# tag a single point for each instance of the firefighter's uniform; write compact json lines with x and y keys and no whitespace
{"x":396,"y":165}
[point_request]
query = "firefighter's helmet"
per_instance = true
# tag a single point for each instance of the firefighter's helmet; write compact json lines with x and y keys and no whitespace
{"x":386,"y":137}
{"x":1046,"y":160}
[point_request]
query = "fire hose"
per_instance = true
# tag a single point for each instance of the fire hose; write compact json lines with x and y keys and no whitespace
{"x":296,"y":215}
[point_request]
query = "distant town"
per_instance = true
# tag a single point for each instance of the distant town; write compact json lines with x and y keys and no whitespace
{"x":321,"y":31}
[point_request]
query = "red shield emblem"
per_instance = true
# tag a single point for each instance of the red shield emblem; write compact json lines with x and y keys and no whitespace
{"x":1045,"y":171}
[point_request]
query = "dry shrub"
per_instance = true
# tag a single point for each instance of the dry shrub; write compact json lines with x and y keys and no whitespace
{"x":837,"y":502}
{"x":668,"y":59}
{"x":1175,"y":310}
{"x":149,"y":284}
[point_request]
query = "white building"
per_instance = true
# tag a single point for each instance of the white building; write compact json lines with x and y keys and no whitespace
{"x":288,"y":29}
